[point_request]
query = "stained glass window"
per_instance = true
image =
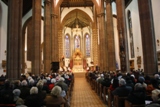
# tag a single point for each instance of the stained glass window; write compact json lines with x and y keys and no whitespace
{"x":87,"y":42}
{"x":67,"y":46}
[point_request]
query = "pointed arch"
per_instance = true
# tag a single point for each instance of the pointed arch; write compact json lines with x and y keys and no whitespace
{"x":94,"y":1}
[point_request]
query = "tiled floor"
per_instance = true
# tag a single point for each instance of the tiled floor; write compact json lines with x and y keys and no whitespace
{"x":83,"y":95}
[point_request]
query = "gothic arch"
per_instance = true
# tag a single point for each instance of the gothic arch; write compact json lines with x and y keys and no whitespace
{"x":94,"y":1}
{"x":72,"y":14}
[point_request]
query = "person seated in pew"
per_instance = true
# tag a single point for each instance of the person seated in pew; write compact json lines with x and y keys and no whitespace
{"x":114,"y":84}
{"x":138,"y":95}
{"x":106,"y":82}
{"x":156,"y":99}
{"x":55,"y":98}
{"x":122,"y":90}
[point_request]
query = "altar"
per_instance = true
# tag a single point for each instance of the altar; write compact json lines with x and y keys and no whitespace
{"x":77,"y":61}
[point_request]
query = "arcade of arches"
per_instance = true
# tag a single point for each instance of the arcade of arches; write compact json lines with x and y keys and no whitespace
{"x":106,"y":34}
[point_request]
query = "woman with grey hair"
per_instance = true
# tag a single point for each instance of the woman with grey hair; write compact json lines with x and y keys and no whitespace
{"x":54,"y":99}
{"x":156,"y":99}
{"x":138,"y":95}
{"x":33,"y":100}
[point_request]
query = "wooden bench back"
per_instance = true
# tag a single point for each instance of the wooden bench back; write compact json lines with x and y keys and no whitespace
{"x":110,"y":98}
{"x":119,"y":101}
{"x":129,"y":104}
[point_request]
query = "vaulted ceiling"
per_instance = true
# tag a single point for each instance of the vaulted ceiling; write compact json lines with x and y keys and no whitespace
{"x":27,"y":4}
{"x":76,"y":3}
{"x":73,"y":19}
{"x":76,"y":17}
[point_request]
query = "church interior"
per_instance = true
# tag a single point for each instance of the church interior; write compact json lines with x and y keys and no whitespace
{"x":79,"y":36}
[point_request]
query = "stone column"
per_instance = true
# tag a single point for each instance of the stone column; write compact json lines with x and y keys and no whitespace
{"x":30,"y":41}
{"x":47,"y":36}
{"x":60,"y":42}
{"x":54,"y":33}
{"x":23,"y":50}
{"x":124,"y":58}
{"x":110,"y":37}
{"x":95,"y":46}
{"x":36,"y":19}
{"x":148,"y":37}
{"x":14,"y":39}
{"x":102,"y":37}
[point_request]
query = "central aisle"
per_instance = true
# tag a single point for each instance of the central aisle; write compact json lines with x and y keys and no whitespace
{"x":83,"y":95}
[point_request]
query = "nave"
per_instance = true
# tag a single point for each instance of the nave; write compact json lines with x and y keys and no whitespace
{"x":83,"y":95}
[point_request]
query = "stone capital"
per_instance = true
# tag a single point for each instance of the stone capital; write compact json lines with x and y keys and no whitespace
{"x":54,"y":15}
{"x":108,"y":1}
{"x":47,"y":2}
{"x":101,"y":14}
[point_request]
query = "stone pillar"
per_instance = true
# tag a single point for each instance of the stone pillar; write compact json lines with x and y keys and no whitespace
{"x":47,"y":36}
{"x":30,"y":41}
{"x":36,"y":19}
{"x":60,"y":42}
{"x":54,"y":33}
{"x":14,"y":39}
{"x":124,"y":58}
{"x":148,"y":37}
{"x":110,"y":37}
{"x":95,"y":46}
{"x":102,"y":37}
{"x":23,"y":52}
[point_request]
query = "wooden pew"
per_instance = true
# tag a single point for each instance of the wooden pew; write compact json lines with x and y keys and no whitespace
{"x":100,"y":90}
{"x":7,"y":105}
{"x":119,"y":101}
{"x":105,"y":92}
{"x":55,"y":105}
{"x":110,"y":98}
{"x":94,"y":84}
{"x":129,"y":104}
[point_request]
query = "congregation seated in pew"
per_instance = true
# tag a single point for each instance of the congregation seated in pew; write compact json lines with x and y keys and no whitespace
{"x":33,"y":89}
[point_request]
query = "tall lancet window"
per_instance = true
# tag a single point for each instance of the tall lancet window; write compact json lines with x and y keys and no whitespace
{"x":88,"y":45}
{"x":131,"y":41}
{"x":67,"y":46}
{"x":77,"y":42}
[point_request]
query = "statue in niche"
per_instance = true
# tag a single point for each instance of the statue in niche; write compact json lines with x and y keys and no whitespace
{"x":77,"y":42}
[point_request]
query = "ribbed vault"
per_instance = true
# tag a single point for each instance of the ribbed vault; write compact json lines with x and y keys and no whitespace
{"x":76,"y":17}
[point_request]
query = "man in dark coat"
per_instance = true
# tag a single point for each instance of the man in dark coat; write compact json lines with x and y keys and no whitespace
{"x":122,"y":90}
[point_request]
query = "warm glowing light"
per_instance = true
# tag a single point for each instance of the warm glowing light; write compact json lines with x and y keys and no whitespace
{"x":57,"y":1}
{"x":98,"y":1}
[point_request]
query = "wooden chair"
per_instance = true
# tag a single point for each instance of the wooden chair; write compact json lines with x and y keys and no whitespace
{"x":129,"y":104}
{"x":119,"y":101}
